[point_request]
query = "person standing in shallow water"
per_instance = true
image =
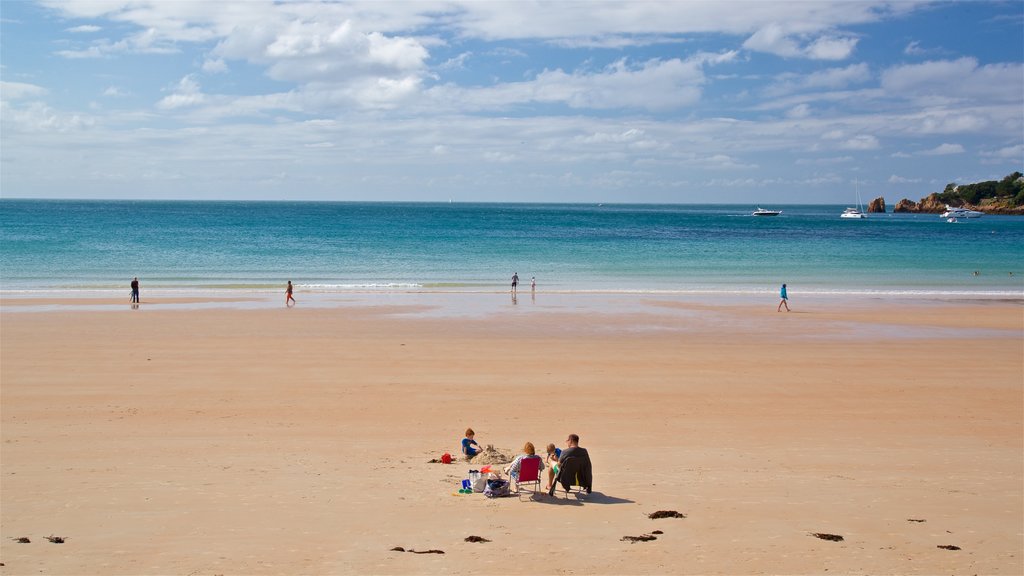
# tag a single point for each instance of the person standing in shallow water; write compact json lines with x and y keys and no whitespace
{"x":515,"y":281}
{"x":784,"y":301}
{"x":288,"y":295}
{"x":135,"y":290}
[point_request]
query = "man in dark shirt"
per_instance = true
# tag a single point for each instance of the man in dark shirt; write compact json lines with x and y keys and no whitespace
{"x":135,"y":290}
{"x":580,"y":470}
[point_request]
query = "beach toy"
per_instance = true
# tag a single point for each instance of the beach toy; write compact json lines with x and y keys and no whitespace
{"x":465,"y":484}
{"x":486,"y":469}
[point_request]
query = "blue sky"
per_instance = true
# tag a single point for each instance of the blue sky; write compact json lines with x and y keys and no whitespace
{"x":679,"y":102}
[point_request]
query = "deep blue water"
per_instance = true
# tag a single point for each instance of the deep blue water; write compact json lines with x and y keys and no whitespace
{"x":71,"y":245}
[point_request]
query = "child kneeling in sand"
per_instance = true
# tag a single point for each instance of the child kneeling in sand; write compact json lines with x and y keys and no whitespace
{"x":468,"y":444}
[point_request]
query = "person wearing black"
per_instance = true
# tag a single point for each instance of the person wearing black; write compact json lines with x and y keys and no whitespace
{"x":135,"y":290}
{"x":574,"y":468}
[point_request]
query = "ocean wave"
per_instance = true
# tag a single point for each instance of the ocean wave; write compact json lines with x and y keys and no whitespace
{"x":471,"y":288}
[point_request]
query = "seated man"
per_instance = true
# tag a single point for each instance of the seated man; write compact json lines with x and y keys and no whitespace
{"x":574,"y":468}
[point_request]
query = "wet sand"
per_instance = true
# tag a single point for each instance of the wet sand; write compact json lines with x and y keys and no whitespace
{"x":284,"y":441}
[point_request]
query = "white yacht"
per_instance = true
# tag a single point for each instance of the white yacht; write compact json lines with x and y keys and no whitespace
{"x":762,"y":212}
{"x":952,"y":212}
{"x":852,"y":213}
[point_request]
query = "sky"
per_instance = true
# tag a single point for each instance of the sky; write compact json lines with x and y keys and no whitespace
{"x":753,"y":102}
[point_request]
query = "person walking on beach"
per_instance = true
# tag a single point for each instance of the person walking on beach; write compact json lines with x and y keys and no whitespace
{"x":515,"y":281}
{"x":135,"y":290}
{"x":784,"y":301}
{"x":288,"y":295}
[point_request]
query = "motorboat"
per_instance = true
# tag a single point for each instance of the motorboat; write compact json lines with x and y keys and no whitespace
{"x":952,"y":212}
{"x":762,"y":212}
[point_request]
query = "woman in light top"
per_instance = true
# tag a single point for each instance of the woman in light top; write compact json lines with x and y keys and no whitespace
{"x":528,"y":452}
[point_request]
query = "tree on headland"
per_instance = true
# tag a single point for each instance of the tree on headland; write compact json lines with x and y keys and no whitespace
{"x":1006,"y":196}
{"x":1007,"y":189}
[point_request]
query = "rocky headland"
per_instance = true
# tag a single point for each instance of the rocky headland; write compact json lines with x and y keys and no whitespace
{"x":931,"y":204}
{"x":1005,"y":196}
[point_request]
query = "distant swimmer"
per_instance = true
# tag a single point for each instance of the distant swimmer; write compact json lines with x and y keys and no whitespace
{"x":135,"y":290}
{"x":515,"y":281}
{"x":784,"y":301}
{"x":288,"y":295}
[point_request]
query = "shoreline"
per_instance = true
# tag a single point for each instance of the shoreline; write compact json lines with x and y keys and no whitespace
{"x":482,"y":300}
{"x":298,"y":440}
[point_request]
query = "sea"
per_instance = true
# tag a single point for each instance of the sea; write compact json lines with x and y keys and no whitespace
{"x":62,"y":247}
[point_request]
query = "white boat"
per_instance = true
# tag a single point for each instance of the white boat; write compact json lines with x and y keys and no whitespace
{"x":762,"y":212}
{"x":852,"y":213}
{"x":952,"y":212}
{"x":856,"y":213}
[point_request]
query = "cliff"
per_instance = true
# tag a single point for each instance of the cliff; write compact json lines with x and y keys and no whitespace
{"x":932,"y":205}
{"x":877,"y":206}
{"x":1004,"y":196}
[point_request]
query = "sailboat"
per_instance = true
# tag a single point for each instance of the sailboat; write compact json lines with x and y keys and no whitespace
{"x":854,"y":212}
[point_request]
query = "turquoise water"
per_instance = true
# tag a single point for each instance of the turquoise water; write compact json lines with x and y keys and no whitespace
{"x":51,"y":245}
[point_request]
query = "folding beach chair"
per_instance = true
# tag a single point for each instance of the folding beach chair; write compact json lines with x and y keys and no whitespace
{"x":574,"y":473}
{"x":529,"y":473}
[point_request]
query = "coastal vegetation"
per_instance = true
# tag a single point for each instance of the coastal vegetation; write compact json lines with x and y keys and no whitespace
{"x":1004,"y":196}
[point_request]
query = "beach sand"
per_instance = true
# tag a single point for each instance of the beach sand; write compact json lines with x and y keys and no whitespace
{"x":298,"y":441}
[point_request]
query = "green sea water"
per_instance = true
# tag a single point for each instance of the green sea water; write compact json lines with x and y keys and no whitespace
{"x":67,"y":246}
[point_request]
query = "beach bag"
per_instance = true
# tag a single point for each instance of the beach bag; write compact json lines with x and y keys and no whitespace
{"x":480,"y":483}
{"x":496,"y":488}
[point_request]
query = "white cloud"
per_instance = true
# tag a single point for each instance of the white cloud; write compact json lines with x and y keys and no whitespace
{"x":114,"y":92}
{"x":654,"y":85}
{"x":894,"y":179}
{"x":214,"y":66}
{"x":944,"y":150}
{"x":829,"y":79}
{"x":776,"y":39}
{"x":860,"y":142}
{"x":186,"y":93}
{"x":457,"y":63}
{"x":84,"y":29}
{"x":1015,"y":153}
{"x":799,"y":111}
{"x":37,"y":117}
{"x":945,"y":81}
{"x":914,"y":49}
{"x":831,"y":48}
{"x":20,"y":90}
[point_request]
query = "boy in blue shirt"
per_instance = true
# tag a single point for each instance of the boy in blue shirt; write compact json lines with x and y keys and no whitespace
{"x":468,"y":444}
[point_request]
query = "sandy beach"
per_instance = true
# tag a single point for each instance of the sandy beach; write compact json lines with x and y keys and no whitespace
{"x":298,"y":441}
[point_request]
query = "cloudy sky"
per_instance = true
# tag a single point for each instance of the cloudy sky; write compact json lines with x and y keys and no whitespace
{"x":678,"y":101}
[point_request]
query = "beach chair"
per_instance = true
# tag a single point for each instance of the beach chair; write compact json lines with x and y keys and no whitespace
{"x":574,"y":473}
{"x":529,"y":473}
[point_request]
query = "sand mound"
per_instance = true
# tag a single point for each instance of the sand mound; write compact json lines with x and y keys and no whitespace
{"x":492,"y":455}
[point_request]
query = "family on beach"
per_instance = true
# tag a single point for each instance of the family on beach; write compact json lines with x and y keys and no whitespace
{"x":568,"y":467}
